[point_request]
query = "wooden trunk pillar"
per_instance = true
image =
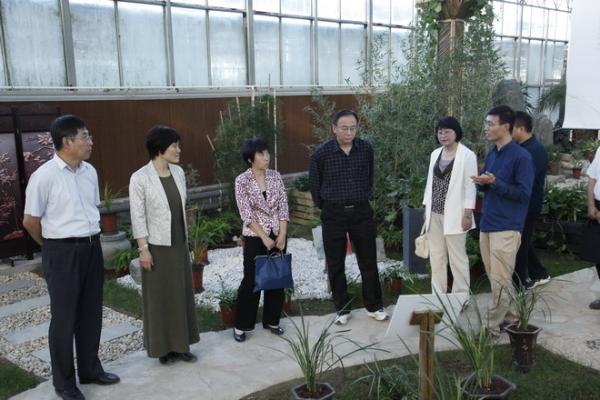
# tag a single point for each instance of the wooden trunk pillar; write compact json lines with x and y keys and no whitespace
{"x":426,"y":321}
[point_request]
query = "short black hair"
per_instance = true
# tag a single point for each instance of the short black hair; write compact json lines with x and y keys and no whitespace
{"x":159,"y":138}
{"x":342,"y":113}
{"x":523,"y":119}
{"x":65,"y":126}
{"x":449,"y":123}
{"x":505,"y":114}
{"x":251,"y":147}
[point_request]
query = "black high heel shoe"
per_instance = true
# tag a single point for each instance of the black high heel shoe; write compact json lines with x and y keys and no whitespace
{"x":274,"y":330}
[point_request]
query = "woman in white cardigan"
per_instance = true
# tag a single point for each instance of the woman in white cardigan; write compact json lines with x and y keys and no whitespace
{"x":449,"y":201}
{"x":157,"y":195}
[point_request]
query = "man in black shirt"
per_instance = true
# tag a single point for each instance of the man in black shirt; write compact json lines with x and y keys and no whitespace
{"x":528,"y":269}
{"x":341,"y":179}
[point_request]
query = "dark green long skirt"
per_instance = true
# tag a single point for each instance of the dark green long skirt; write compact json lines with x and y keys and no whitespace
{"x":167,"y":291}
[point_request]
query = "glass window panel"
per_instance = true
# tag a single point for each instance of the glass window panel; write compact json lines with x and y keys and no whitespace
{"x":402,"y":12}
{"x":381,"y":11}
{"x":266,"y":50}
{"x":295,"y":49}
{"x":552,"y":24}
{"x":399,"y":37}
{"x":296,"y":7}
{"x":197,"y":2}
{"x":353,"y":47}
{"x":227,"y":3}
{"x":266,"y":5}
{"x":228,"y":63}
{"x":381,"y":54}
{"x":95,"y":43}
{"x":559,"y":58}
{"x":354,"y":10}
{"x":538,"y":22}
{"x":2,"y":77}
{"x":534,"y":62}
{"x":533,"y":95}
{"x":328,"y":53}
{"x":34,"y":44}
{"x":189,"y":47}
{"x":510,"y":19}
{"x":507,"y":51}
{"x":498,"y":12}
{"x":526,"y":31}
{"x":562,"y":26}
{"x":548,"y":60}
{"x":522,"y":73}
{"x":328,"y":9}
{"x":143,"y":51}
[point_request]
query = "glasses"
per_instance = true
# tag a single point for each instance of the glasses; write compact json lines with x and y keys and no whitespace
{"x":489,"y":124}
{"x":345,"y":128}
{"x":85,"y":137}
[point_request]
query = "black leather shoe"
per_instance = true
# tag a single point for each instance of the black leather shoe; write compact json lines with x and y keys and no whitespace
{"x":239,"y":338}
{"x":187,"y":357}
{"x":105,"y":378}
{"x":70,"y":394}
{"x":167,"y":359}
{"x":274,"y":330}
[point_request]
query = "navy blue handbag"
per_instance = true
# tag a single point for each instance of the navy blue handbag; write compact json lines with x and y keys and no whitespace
{"x":273,"y":271}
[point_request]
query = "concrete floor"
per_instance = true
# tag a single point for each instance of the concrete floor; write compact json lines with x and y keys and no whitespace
{"x":229,"y":370}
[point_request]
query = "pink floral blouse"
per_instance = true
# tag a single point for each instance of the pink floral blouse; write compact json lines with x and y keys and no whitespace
{"x":253,"y":206}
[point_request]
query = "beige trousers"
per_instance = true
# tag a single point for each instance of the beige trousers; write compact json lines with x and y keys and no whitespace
{"x":443,"y":248}
{"x":499,"y":252}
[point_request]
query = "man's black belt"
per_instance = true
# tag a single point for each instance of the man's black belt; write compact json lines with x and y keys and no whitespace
{"x":347,"y":206}
{"x":85,"y":239}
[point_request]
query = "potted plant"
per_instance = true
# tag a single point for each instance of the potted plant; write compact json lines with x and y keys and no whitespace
{"x":227,"y":298}
{"x":522,"y":334}
{"x":316,"y":356}
{"x":287,"y":302}
{"x":121,"y":259}
{"x":478,"y":344}
{"x":576,"y":171}
{"x":108,"y":219}
{"x":474,"y":255}
{"x":553,"y":159}
{"x":204,"y":233}
{"x":393,"y":277}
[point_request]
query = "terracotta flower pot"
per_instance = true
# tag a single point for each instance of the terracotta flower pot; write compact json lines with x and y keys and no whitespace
{"x":108,"y":223}
{"x":198,"y":274}
{"x":325,"y":392}
{"x":576,"y":173}
{"x":393,"y":285}
{"x":227,"y":314}
{"x":287,"y":306}
{"x":523,"y":343}
{"x":201,"y":254}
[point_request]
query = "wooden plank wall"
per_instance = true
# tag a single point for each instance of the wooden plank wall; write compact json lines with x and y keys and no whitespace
{"x":119,"y":129}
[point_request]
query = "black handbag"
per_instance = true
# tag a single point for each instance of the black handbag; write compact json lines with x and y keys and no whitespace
{"x":273,"y":271}
{"x":590,"y":246}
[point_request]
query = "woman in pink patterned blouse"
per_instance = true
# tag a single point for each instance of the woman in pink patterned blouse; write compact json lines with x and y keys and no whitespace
{"x":263,"y":206}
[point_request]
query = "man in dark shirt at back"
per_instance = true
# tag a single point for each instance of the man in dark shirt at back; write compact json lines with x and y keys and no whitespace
{"x":341,"y":179}
{"x":528,"y":269}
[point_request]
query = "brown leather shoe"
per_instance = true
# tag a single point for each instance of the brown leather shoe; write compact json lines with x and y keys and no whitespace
{"x":595,"y":305}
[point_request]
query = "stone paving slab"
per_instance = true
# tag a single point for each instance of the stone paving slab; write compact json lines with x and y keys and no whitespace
{"x":28,"y":333}
{"x":109,"y":333}
{"x":24,"y":305}
{"x":15,"y":285}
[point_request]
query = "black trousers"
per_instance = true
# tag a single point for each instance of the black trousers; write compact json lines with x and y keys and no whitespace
{"x":247,"y":300}
{"x":528,"y":264}
{"x":358,"y":222}
{"x":74,"y":273}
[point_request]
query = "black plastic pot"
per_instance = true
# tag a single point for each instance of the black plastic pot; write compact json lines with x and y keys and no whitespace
{"x":412,"y":222}
{"x":523,"y":343}
{"x":327,"y":391}
{"x":505,"y":387}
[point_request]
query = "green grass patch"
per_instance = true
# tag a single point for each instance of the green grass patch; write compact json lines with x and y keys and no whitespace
{"x":14,"y":380}
{"x":122,"y":299}
{"x":553,"y":378}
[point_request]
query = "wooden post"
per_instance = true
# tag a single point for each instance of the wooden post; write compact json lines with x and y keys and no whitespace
{"x":426,"y":320}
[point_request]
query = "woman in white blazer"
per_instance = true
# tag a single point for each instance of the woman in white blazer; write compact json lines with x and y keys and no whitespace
{"x":157,"y":195}
{"x":449,"y":202}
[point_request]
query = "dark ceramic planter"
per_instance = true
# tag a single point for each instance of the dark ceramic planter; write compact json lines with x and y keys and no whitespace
{"x":523,"y":343}
{"x":108,"y":223}
{"x":227,"y":314}
{"x":326,"y":392}
{"x":198,"y":275}
{"x":412,"y":222}
{"x":503,"y":390}
{"x":393,"y":285}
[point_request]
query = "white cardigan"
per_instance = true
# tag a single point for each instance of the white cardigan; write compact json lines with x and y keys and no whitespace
{"x":461,"y":189}
{"x":149,"y":207}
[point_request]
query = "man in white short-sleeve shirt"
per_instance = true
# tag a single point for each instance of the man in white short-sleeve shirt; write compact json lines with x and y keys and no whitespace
{"x":593,"y":200}
{"x":61,"y":214}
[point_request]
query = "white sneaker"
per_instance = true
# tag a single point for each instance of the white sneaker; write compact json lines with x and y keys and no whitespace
{"x":342,"y":319}
{"x":379,"y":315}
